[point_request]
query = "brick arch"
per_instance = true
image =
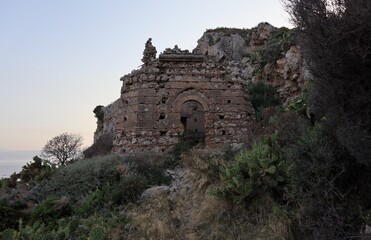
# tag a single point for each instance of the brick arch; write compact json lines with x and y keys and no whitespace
{"x":190,"y":95}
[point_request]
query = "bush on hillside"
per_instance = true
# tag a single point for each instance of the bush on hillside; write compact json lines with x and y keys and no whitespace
{"x":92,"y":227}
{"x":99,"y":112}
{"x":11,"y":213}
{"x":321,"y":189}
{"x":300,"y":105}
{"x":112,"y":172}
{"x":257,"y":57}
{"x":103,"y":146}
{"x":255,"y":172}
{"x":262,"y":96}
{"x":152,"y":167}
{"x":50,"y":210}
{"x":77,"y":179}
{"x":287,"y":124}
{"x":179,"y":148}
{"x":98,"y":187}
{"x":104,"y":199}
{"x":36,"y":170}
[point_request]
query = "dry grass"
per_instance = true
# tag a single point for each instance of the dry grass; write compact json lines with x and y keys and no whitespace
{"x":191,"y":213}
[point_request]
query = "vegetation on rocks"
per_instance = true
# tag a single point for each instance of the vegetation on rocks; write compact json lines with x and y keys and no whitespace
{"x":294,"y":182}
{"x":305,"y":176}
{"x":279,"y":42}
{"x":82,"y":199}
{"x":262,"y":96}
{"x":259,"y":170}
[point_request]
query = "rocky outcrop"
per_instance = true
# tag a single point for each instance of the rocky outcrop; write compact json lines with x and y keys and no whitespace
{"x":214,"y":75}
{"x":220,"y":44}
{"x":260,"y":34}
{"x":288,"y":75}
{"x":233,"y":44}
{"x":106,"y":118}
{"x":264,"y":53}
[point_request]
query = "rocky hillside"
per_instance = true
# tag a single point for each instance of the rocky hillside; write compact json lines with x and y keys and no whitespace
{"x":264,"y":53}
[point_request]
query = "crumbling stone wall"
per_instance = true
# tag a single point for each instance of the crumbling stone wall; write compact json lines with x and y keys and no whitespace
{"x":150,"y":114}
{"x":152,"y":98}
{"x":106,"y":118}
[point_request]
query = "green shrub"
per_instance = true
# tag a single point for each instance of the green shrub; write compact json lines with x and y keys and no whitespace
{"x":98,"y":187}
{"x":9,"y":234}
{"x":11,"y":213}
{"x":4,"y":183}
{"x":90,"y":203}
{"x":152,"y":167}
{"x":10,"y":182}
{"x":278,"y":43}
{"x":145,"y":171}
{"x":262,"y":96}
{"x":179,"y":148}
{"x":128,"y":189}
{"x":98,"y":184}
{"x":76,"y":179}
{"x":63,"y":229}
{"x":257,"y":57}
{"x":255,"y":172}
{"x":102,"y":227}
{"x":99,"y":112}
{"x":289,"y":125}
{"x":36,"y":170}
{"x":110,"y":226}
{"x":51,"y":209}
{"x":66,"y":229}
{"x":300,"y":105}
{"x":97,"y":233}
{"x":324,"y":189}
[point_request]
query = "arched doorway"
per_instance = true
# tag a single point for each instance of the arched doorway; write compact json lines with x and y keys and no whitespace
{"x":193,"y":121}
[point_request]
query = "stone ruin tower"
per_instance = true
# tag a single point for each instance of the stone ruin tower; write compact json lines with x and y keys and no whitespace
{"x":181,"y":94}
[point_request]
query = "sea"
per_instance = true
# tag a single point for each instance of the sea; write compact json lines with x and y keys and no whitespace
{"x":13,"y":161}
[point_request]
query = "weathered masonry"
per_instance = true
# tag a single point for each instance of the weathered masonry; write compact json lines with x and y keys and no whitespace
{"x":178,"y":95}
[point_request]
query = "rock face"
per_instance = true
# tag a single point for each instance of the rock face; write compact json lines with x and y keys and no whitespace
{"x":217,"y":45}
{"x":201,"y":95}
{"x":288,"y":75}
{"x":106,"y":119}
{"x":263,"y":53}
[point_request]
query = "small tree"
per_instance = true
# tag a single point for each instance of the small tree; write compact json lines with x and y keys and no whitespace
{"x":63,"y":148}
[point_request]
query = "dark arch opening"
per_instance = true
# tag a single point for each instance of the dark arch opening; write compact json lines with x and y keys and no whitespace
{"x":193,"y":121}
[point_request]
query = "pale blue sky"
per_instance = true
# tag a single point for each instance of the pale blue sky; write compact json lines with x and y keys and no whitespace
{"x":59,"y":59}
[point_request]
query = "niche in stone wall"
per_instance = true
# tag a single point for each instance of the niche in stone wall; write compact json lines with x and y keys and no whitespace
{"x":193,"y":121}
